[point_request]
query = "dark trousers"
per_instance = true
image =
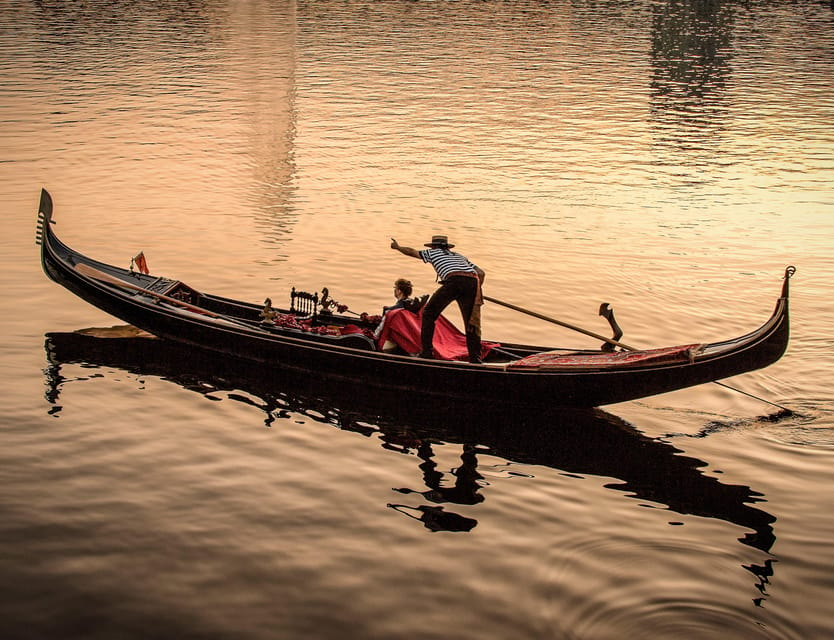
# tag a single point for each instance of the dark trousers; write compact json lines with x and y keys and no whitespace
{"x":465,"y":291}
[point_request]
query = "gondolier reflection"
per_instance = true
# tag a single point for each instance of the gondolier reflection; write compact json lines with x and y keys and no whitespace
{"x":460,"y":280}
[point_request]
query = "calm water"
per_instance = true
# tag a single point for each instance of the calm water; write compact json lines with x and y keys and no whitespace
{"x":670,"y":158}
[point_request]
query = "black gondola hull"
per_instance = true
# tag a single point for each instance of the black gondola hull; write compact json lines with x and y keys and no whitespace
{"x":431,"y":380}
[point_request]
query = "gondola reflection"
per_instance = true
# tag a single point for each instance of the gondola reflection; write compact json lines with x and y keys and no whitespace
{"x":579,"y":442}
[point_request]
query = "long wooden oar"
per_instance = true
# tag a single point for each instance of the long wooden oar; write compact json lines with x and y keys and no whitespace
{"x":92,"y":272}
{"x":784,"y":410}
{"x":560,"y":323}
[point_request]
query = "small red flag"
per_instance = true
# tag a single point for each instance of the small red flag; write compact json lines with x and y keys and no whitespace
{"x":140,"y":262}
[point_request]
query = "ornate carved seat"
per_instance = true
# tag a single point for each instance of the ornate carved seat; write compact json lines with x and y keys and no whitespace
{"x":304,"y":304}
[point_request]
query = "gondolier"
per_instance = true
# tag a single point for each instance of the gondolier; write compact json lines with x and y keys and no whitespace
{"x":460,"y":280}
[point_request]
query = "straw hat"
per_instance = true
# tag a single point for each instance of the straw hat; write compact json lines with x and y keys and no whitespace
{"x":439,"y":241}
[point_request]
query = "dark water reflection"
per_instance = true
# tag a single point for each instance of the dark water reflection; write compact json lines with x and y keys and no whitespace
{"x":582,"y":443}
{"x":691,"y":57}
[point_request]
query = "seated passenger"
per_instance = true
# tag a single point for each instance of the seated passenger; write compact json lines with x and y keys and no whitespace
{"x":402,"y":292}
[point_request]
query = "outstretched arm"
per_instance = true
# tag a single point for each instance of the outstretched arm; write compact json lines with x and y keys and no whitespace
{"x":404,"y":250}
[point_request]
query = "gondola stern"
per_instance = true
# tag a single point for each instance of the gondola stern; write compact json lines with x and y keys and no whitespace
{"x":783,"y":302}
{"x":790,"y":270}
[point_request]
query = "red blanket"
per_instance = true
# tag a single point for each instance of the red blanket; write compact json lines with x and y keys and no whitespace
{"x":402,"y":327}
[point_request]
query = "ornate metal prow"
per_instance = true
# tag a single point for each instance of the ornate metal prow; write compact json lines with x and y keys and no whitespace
{"x":44,"y":215}
{"x":607,"y":312}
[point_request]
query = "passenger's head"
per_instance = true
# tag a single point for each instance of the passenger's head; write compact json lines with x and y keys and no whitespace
{"x":403,"y":286}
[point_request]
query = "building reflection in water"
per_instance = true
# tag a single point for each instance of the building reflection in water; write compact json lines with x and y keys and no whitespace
{"x":690,"y":58}
{"x":181,"y":79}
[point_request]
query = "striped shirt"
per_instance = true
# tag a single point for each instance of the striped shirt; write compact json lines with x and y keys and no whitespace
{"x":446,"y":262}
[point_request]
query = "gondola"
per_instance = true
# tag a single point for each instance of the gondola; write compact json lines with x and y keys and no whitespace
{"x":310,"y":339}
